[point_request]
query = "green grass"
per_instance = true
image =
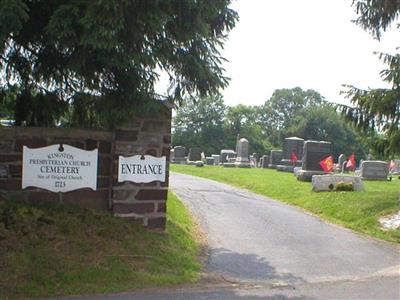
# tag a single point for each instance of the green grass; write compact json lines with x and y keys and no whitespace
{"x":52,"y":250}
{"x":359,"y":211}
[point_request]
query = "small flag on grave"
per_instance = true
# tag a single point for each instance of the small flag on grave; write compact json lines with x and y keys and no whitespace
{"x":327,"y":164}
{"x":351,"y":162}
{"x":293,"y":158}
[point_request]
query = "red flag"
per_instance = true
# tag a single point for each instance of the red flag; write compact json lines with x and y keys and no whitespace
{"x":327,"y":164}
{"x":293,"y":157}
{"x":392,"y":165}
{"x":351,"y":162}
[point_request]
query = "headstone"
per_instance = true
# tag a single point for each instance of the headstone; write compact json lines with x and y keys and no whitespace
{"x":264,"y":161}
{"x":314,"y":152}
{"x":374,"y":170}
{"x":230,"y":163}
{"x":179,"y":155}
{"x":199,"y":163}
{"x":210,"y":161}
{"x":341,"y":159}
{"x":291,"y":145}
{"x":194,"y":154}
{"x":326,"y":183}
{"x":171,"y":155}
{"x":242,"y":158}
{"x":231,"y":160}
{"x":216,"y":159}
{"x":225,"y":154}
{"x":396,"y":169}
{"x":275,"y":158}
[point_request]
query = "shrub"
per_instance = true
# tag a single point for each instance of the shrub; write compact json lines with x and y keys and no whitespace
{"x":345,"y":186}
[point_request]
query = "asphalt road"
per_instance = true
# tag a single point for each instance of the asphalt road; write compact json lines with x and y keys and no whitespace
{"x":260,"y":248}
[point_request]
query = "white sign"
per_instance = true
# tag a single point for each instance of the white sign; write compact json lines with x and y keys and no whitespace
{"x":59,"y":168}
{"x":141,"y":169}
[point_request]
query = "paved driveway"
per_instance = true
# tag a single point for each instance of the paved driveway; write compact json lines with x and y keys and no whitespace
{"x":260,"y":248}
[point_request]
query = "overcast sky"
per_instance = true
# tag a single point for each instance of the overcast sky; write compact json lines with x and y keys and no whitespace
{"x":307,"y":43}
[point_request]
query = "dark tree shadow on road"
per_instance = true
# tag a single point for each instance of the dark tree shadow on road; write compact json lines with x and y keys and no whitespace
{"x":246,"y":267}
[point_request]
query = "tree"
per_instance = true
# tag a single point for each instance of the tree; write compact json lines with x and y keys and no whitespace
{"x":323,"y":123}
{"x":242,"y":119}
{"x":111,"y":51}
{"x":280,"y":110}
{"x":377,"y":111}
{"x":200,"y":124}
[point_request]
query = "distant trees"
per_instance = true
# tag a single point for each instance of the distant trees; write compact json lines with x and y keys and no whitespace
{"x":377,"y":111}
{"x":212,"y":125}
{"x":278,"y":113}
{"x":322,"y":123}
{"x":97,"y":62}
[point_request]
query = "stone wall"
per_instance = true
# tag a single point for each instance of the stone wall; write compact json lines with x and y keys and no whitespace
{"x":143,"y":203}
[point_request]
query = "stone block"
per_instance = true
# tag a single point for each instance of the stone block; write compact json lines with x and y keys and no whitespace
{"x":152,"y":194}
{"x":6,"y":146}
{"x":137,"y":208}
{"x":199,"y":163}
{"x":91,"y":144}
{"x":158,"y":222}
{"x":104,"y":147}
{"x":126,"y":135}
{"x":326,"y":183}
{"x":29,"y":142}
{"x":305,"y":175}
{"x":374,"y":170}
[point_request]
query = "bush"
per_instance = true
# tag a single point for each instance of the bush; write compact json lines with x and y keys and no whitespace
{"x":345,"y":186}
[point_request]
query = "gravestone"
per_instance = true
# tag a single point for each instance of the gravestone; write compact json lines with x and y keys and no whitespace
{"x":341,"y":159}
{"x":171,"y":155}
{"x":396,"y":169}
{"x":291,"y":145}
{"x":326,"y":183}
{"x":179,"y":155}
{"x":374,"y":170}
{"x":264,"y":161}
{"x":313,"y":153}
{"x":194,"y":155}
{"x":199,"y":163}
{"x":216,"y":159}
{"x":275,"y":158}
{"x":225,"y":154}
{"x":230,"y":163}
{"x":242,"y":158}
{"x":210,"y":161}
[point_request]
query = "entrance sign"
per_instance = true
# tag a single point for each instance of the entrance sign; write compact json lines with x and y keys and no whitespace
{"x":59,"y":168}
{"x":141,"y":169}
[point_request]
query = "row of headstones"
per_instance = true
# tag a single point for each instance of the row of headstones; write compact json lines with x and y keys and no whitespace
{"x":311,"y":153}
{"x":308,"y":154}
{"x":226,"y":158}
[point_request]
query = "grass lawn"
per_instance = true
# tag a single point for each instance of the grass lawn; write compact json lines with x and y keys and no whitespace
{"x":51,"y":250}
{"x":359,"y":211}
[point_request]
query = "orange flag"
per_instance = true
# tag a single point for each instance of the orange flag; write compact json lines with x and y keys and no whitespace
{"x":351,"y":162}
{"x":327,"y":164}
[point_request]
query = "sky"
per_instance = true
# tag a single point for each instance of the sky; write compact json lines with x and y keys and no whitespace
{"x":307,"y":43}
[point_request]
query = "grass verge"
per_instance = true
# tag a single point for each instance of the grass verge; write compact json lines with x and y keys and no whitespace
{"x":359,"y":211}
{"x":53,"y":250}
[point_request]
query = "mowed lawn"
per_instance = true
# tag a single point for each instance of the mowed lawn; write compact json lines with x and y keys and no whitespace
{"x":54,"y":250}
{"x":359,"y":211}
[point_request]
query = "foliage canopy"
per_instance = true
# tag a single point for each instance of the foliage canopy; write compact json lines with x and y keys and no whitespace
{"x":378,"y":109}
{"x":213,"y":126}
{"x":112,"y":51}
